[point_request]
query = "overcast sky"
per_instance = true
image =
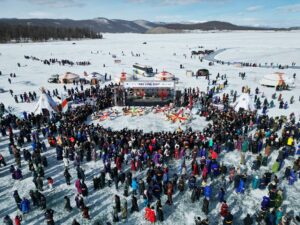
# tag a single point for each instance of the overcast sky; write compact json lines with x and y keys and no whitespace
{"x":277,"y":13}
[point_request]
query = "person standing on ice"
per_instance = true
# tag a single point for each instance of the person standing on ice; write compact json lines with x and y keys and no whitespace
{"x":74,"y":222}
{"x":279,"y":215}
{"x":224,"y":209}
{"x":25,"y":206}
{"x":228,"y":220}
{"x":134,"y":204}
{"x":7,"y":220}
{"x":50,"y":182}
{"x":78,"y":186}
{"x":221,"y":195}
{"x":18,"y":220}
{"x":205,"y":206}
{"x":67,"y":206}
{"x":124,"y":211}
{"x":49,"y":216}
{"x":67,"y":176}
{"x":248,"y":220}
{"x":2,"y":161}
{"x":85,"y":213}
{"x":134,"y":186}
{"x":292,"y":177}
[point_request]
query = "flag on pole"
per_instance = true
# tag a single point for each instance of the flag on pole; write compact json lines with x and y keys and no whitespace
{"x":64,"y":104}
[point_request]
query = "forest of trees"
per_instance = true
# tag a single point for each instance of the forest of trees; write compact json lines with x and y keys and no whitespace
{"x":23,"y":33}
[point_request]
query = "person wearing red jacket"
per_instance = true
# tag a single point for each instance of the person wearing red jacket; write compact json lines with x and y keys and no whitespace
{"x":195,"y":168}
{"x":50,"y":182}
{"x":18,"y":220}
{"x":147,"y":212}
{"x":85,"y":213}
{"x":152,"y":217}
{"x":224,"y":209}
{"x":214,"y":155}
{"x":132,"y":166}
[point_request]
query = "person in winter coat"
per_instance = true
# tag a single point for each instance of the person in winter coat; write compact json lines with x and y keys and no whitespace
{"x":255,"y":182}
{"x":159,"y":211}
{"x":67,"y":176}
{"x":181,"y":184}
{"x":241,"y":187}
{"x":248,"y":220}
{"x":278,"y":199}
{"x":17,"y":175}
{"x":228,"y":220}
{"x":74,"y":222}
{"x":265,"y":203}
{"x":198,"y":220}
{"x":275,"y":167}
{"x":85,"y":213}
{"x":279,"y":215}
{"x":115,"y":215}
{"x":79,"y":201}
{"x":134,"y":204}
{"x":147,"y":212}
{"x":18,"y":220}
{"x":151,"y":215}
{"x":124,"y":210}
{"x":221,"y":195}
{"x":43,"y":201}
{"x":192,"y":182}
{"x":25,"y":206}
{"x":33,"y":197}
{"x":170,"y":193}
{"x":67,"y":204}
{"x":292,"y":178}
{"x":236,"y":181}
{"x":17,"y":198}
{"x":49,"y":217}
{"x":50,"y":182}
{"x":205,"y":206}
{"x":84,"y":189}
{"x":141,"y":186}
{"x":2,"y":161}
{"x":78,"y":186}
{"x":224,"y":209}
{"x":118,"y":203}
{"x":207,"y":191}
{"x":7,"y":220}
{"x":134,"y":186}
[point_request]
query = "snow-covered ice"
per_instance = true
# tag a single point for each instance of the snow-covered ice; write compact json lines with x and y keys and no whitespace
{"x":258,"y":47}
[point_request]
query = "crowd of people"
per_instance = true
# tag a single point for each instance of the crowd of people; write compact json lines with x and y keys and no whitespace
{"x":141,"y":165}
{"x":61,"y":62}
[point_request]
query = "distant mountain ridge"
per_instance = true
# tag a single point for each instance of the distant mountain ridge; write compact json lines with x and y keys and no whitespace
{"x":104,"y":25}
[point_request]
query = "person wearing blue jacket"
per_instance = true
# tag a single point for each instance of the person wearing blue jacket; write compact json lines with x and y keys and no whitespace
{"x":292,"y":178}
{"x":241,"y":187}
{"x":215,"y":169}
{"x":279,"y":215}
{"x":265,"y":203}
{"x":255,"y":182}
{"x":192,"y":182}
{"x":165,"y":178}
{"x":25,"y":206}
{"x":134,"y":185}
{"x":156,"y":190}
{"x":207,"y":191}
{"x":221,"y":195}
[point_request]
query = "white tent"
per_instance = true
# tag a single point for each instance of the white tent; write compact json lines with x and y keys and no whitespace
{"x":45,"y":102}
{"x":68,"y":77}
{"x":272,"y":80}
{"x":243,"y":102}
{"x":164,"y":75}
{"x":94,"y":77}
